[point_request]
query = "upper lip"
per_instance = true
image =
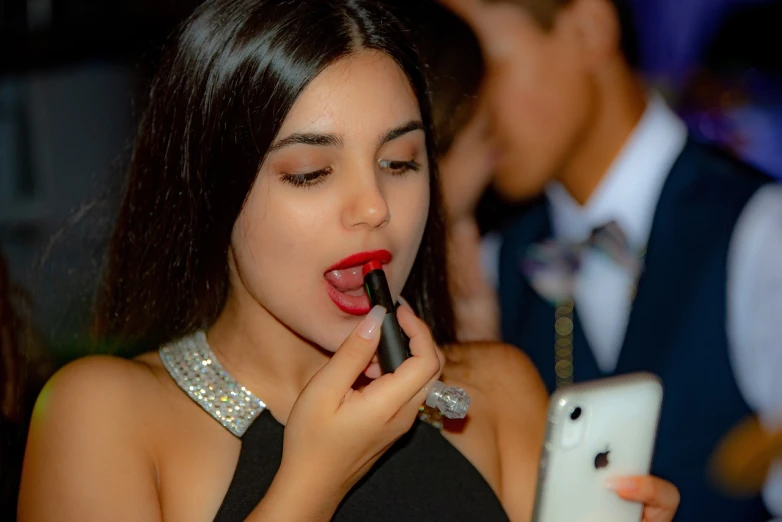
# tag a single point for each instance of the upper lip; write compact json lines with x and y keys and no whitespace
{"x":384,"y":256}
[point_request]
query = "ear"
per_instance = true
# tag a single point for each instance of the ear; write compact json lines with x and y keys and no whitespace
{"x":595,"y":26}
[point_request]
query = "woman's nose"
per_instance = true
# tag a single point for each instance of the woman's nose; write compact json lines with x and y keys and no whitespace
{"x":366,"y":205}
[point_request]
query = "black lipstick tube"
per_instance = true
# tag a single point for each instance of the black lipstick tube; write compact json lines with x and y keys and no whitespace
{"x":394,"y":345}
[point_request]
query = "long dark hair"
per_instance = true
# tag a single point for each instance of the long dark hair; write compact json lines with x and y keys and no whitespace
{"x":227,"y":81}
{"x":24,"y":367}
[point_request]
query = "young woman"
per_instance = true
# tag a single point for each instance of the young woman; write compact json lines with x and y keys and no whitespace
{"x":285,"y":144}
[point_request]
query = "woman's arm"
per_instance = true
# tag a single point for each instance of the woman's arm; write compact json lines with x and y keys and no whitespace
{"x":91,"y":451}
{"x":87,"y":458}
{"x":90,"y":457}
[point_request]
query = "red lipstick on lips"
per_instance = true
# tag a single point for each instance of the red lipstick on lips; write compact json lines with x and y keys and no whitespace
{"x":345,"y":281}
{"x":383,"y":256}
{"x":372,"y":265}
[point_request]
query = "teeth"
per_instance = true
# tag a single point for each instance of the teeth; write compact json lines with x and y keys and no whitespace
{"x":339,"y":275}
{"x":347,"y":280}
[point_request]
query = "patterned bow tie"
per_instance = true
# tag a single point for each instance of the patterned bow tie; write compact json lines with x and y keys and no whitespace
{"x":551,"y":267}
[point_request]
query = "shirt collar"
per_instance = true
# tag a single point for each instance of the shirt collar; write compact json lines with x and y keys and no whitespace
{"x":630,"y":189}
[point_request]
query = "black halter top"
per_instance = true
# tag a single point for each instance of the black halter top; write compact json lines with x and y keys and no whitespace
{"x":422,"y":477}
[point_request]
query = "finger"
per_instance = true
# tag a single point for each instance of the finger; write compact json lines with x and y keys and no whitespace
{"x":373,"y":371}
{"x":409,"y":380}
{"x":649,"y":490}
{"x":416,"y":373}
{"x":412,"y":376}
{"x":352,"y":357}
{"x":440,"y":356}
{"x":421,"y":342}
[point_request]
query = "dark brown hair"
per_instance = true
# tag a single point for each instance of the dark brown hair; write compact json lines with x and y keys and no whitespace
{"x":455,"y":70}
{"x":226,"y":83}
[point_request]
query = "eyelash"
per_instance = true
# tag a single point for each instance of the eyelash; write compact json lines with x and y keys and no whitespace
{"x":310,"y":179}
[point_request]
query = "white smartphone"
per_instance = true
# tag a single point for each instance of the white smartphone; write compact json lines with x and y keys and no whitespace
{"x":597,"y":430}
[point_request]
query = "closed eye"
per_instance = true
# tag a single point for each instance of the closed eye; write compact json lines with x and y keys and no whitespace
{"x":310,"y":179}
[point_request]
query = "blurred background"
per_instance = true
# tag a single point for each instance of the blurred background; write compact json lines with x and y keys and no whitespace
{"x":73,"y":73}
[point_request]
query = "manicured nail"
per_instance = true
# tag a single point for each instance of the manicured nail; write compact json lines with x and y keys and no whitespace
{"x":627,"y":485}
{"x":372,"y":322}
{"x":406,"y":304}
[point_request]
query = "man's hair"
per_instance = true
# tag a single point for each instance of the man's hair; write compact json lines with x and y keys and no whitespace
{"x":545,"y":11}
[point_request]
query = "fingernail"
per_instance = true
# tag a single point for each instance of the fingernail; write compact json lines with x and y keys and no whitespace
{"x":625,"y":484}
{"x":371,"y":322}
{"x":406,"y":304}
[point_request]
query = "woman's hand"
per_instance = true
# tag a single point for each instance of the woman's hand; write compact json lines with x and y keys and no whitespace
{"x":659,"y":497}
{"x":475,"y":300}
{"x":335,"y":433}
{"x":465,"y":172}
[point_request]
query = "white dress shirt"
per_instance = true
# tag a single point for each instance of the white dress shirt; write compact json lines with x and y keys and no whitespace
{"x":629,"y":193}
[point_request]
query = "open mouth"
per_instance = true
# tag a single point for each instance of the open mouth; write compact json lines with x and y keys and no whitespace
{"x":345,"y":281}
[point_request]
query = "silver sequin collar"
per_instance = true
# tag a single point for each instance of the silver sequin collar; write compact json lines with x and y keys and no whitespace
{"x":197,"y":371}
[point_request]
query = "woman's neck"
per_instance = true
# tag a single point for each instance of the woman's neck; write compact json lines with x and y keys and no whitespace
{"x":263,"y":354}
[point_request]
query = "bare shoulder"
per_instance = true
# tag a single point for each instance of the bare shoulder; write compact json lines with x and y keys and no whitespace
{"x":513,"y":400}
{"x":498,"y":369}
{"x":91,"y":421}
{"x":95,"y":384}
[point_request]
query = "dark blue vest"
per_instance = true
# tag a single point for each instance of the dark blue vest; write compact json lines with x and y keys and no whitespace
{"x":677,"y":325}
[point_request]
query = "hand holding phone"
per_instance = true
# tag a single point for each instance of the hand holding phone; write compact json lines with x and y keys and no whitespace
{"x":597,"y":431}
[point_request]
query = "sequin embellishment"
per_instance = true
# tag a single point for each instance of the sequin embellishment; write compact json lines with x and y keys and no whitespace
{"x":196,"y":370}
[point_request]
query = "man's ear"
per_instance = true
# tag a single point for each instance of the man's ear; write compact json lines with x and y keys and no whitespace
{"x":595,"y":26}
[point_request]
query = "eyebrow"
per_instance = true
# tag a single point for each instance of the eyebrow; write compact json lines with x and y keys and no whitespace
{"x":410,"y":126}
{"x":308,"y":138}
{"x":332,"y":140}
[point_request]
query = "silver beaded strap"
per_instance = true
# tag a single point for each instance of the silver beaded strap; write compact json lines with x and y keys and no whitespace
{"x":196,"y":370}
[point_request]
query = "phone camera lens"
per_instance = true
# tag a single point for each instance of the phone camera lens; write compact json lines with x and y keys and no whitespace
{"x":575,"y":414}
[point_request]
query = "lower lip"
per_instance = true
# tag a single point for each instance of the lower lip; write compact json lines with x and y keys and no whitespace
{"x":350,"y":304}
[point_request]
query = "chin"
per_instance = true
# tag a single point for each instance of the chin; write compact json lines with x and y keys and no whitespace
{"x":334,"y":330}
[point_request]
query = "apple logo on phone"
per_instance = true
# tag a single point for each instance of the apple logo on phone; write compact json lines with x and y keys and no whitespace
{"x":601,"y":459}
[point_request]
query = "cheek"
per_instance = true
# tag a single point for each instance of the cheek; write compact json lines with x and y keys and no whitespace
{"x":537,"y":107}
{"x":273,"y":239}
{"x":409,"y":213}
{"x":409,"y":201}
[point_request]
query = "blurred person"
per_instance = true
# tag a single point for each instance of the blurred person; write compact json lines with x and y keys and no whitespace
{"x":466,"y":151}
{"x":235,"y":265}
{"x":640,"y":249}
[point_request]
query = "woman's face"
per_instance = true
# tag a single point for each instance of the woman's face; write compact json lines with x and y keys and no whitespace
{"x":346,"y":181}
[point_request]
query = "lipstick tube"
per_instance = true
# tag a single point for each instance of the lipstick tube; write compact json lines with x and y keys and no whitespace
{"x":394,"y":346}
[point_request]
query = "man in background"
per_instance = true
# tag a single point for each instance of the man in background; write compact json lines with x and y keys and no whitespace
{"x":639,"y":249}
